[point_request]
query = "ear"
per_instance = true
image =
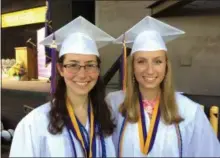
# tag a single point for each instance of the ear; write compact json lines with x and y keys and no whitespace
{"x":60,"y":69}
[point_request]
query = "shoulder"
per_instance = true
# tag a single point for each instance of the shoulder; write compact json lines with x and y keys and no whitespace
{"x":38,"y":113}
{"x":38,"y":117}
{"x":114,"y":100}
{"x":27,"y":139}
{"x":116,"y":97}
{"x":187,"y":108}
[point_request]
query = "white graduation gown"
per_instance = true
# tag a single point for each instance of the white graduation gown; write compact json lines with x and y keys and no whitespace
{"x":32,"y":139}
{"x":198,"y":138}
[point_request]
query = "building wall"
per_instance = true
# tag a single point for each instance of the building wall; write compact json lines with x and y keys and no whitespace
{"x":195,"y":56}
{"x":114,"y":17}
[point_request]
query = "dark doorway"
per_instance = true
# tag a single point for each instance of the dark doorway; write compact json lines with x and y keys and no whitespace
{"x":85,"y":9}
{"x":16,"y":37}
{"x":62,"y":12}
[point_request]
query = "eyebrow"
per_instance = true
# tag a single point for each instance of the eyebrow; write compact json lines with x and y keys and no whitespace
{"x":140,"y":58}
{"x":158,"y":57}
{"x":73,"y":61}
{"x":146,"y":58}
{"x":89,"y":61}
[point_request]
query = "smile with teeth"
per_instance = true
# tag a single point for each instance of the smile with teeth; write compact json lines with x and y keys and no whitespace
{"x":150,"y":79}
{"x":82,"y":83}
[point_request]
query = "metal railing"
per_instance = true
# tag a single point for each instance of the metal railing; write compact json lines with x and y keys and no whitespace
{"x":214,"y":118}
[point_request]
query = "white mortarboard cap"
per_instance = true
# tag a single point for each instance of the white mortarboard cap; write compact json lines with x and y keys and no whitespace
{"x":79,"y":37}
{"x":149,"y":35}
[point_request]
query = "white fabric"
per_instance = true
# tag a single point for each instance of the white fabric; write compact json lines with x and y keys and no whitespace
{"x":32,"y":139}
{"x":83,"y":38}
{"x":148,"y":41}
{"x":80,"y":44}
{"x":198,"y":136}
{"x":149,"y":34}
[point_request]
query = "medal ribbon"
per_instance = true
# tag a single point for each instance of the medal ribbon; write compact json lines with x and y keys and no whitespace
{"x":147,"y":139}
{"x":147,"y":143}
{"x":77,"y":132}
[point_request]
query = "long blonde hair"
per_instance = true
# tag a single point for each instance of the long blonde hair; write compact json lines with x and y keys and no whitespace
{"x":168,"y":106}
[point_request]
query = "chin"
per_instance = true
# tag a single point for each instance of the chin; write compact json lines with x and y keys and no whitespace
{"x":83,"y":90}
{"x":150,"y":85}
{"x":80,"y":90}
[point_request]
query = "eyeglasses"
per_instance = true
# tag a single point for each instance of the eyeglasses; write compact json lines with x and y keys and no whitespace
{"x":74,"y":68}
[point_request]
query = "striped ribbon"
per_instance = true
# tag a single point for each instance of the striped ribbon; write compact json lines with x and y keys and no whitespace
{"x":147,"y":139}
{"x":78,"y":130}
{"x":78,"y":133}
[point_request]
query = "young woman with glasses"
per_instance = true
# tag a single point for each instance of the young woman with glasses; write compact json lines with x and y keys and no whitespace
{"x":77,"y":122}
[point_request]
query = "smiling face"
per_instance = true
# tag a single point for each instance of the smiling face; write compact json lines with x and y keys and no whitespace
{"x":149,"y":68}
{"x":80,"y":73}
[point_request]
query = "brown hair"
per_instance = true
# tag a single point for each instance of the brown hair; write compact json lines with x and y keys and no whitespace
{"x":168,"y":106}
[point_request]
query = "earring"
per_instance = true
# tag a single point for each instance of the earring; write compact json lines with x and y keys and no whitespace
{"x":133,"y":79}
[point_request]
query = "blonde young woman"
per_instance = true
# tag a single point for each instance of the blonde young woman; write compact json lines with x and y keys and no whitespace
{"x":152,"y":119}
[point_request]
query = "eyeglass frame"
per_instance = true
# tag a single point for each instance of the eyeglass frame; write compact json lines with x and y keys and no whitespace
{"x":84,"y":66}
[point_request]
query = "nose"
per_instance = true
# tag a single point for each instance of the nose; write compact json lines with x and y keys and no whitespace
{"x":150,"y":69}
{"x":82,"y":72}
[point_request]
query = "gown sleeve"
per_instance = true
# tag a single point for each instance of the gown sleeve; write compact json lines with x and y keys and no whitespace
{"x":204,"y":142}
{"x":26,"y":140}
{"x":114,"y":100}
{"x":110,"y":147}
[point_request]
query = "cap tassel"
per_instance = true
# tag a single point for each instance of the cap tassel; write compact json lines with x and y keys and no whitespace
{"x":53,"y":65}
{"x":124,"y":79}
